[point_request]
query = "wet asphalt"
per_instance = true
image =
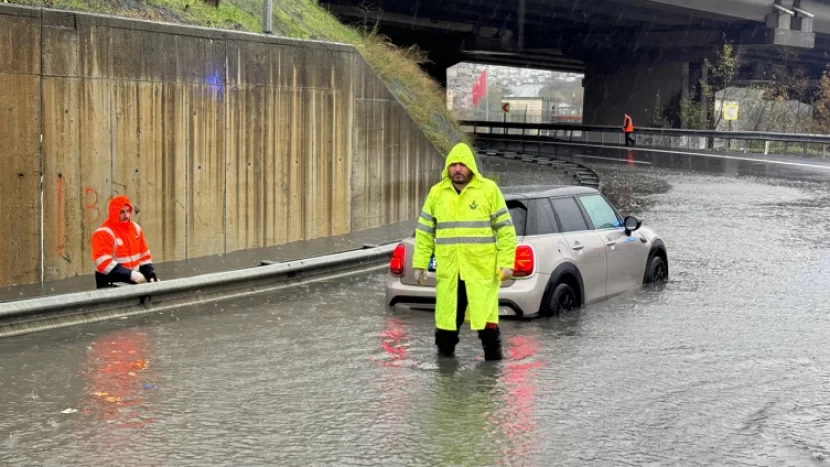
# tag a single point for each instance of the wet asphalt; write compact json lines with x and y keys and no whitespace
{"x":727,"y":364}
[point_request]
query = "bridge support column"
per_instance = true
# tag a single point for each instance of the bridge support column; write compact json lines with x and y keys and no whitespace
{"x":632,"y":88}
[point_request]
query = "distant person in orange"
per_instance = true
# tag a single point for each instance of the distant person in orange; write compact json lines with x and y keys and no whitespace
{"x":119,"y":250}
{"x":628,"y":129}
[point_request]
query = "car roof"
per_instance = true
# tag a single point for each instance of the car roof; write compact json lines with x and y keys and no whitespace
{"x":544,"y":191}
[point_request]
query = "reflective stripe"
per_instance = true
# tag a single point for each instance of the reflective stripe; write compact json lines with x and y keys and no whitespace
{"x":127,"y":259}
{"x":463,"y":240}
{"x":109,"y":268}
{"x":146,"y":262}
{"x":107,"y":230}
{"x":427,"y":217}
{"x":426,"y":229}
{"x":498,"y":213}
{"x":463,"y":224}
{"x":146,"y":253}
{"x":137,"y":228}
{"x":501,"y":224}
{"x":103,"y":259}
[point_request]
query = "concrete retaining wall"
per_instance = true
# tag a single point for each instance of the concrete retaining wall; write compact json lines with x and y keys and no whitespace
{"x":224,"y":140}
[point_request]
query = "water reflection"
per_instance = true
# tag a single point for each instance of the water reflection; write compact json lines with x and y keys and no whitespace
{"x":118,"y":377}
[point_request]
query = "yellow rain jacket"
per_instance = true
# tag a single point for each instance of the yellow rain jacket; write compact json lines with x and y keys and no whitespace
{"x":471,"y":235}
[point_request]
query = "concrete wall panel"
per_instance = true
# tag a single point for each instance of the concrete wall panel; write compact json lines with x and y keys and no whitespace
{"x":20,"y":224}
{"x":60,"y":45}
{"x":206,"y":172}
{"x":292,"y":99}
{"x":63,"y":189}
{"x":170,"y":172}
{"x":225,"y":141}
{"x":341,"y":169}
{"x":96,"y":140}
{"x":20,"y":45}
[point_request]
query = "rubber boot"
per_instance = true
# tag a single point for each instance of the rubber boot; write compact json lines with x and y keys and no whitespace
{"x":491,"y":342}
{"x":446,"y":342}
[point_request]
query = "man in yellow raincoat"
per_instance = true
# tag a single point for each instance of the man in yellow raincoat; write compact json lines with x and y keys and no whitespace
{"x":466,"y":225}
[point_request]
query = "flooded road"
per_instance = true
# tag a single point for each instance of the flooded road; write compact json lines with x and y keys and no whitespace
{"x":727,"y":364}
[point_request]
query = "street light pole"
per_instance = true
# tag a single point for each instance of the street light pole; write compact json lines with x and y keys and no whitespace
{"x":267,"y":16}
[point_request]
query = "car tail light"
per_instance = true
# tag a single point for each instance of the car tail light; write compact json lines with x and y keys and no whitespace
{"x":396,"y":264}
{"x":525,"y":262}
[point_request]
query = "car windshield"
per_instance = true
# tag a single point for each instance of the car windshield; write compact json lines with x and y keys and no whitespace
{"x":519,"y":214}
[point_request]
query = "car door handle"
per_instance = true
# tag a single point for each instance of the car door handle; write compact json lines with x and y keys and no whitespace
{"x":577,"y":246}
{"x":611,"y":243}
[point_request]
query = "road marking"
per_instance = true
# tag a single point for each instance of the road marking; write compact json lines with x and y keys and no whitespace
{"x":613,"y":159}
{"x":686,"y":153}
{"x":701,"y":154}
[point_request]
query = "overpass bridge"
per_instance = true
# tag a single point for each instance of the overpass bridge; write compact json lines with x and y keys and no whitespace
{"x":628,"y":49}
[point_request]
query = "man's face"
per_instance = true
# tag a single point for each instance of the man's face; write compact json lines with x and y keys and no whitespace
{"x":460,"y":174}
{"x":125,"y":214}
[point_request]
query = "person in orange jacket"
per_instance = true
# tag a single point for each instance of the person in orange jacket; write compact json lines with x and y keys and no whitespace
{"x":119,"y":250}
{"x":628,"y":129}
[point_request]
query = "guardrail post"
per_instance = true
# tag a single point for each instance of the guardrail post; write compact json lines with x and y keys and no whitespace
{"x":824,"y":151}
{"x":766,"y":147}
{"x":786,"y":147}
{"x":806,"y":145}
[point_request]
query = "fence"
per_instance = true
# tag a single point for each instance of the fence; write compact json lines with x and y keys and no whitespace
{"x":738,"y":141}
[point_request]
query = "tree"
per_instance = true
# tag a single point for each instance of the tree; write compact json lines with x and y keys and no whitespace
{"x":658,"y":113}
{"x":821,"y":106}
{"x":721,"y":77}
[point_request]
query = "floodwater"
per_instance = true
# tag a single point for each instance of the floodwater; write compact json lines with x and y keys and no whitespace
{"x":727,"y":364}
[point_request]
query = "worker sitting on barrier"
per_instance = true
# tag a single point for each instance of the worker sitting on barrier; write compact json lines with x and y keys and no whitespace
{"x":118,"y":248}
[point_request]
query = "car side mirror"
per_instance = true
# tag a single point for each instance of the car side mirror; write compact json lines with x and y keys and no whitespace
{"x":631,"y":224}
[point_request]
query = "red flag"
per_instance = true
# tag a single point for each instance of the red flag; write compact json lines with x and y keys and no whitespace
{"x":480,"y":87}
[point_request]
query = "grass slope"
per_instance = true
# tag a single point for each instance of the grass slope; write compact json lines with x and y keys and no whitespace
{"x":303,"y":19}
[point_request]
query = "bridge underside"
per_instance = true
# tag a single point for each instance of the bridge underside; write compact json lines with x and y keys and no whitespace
{"x":628,"y":48}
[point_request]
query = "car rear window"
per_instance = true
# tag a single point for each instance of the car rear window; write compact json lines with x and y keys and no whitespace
{"x":518,"y":212}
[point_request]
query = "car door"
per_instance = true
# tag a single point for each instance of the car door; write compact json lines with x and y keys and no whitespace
{"x":586,"y":249}
{"x":624,"y":253}
{"x":543,"y":234}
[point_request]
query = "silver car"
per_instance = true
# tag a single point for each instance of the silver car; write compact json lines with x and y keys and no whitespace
{"x":574,"y":249}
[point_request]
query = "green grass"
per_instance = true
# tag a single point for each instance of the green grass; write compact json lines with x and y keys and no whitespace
{"x":398,"y":67}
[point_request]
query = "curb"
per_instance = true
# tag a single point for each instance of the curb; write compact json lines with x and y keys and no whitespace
{"x":584,"y":175}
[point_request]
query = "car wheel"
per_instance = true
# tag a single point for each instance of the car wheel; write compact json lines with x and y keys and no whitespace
{"x":658,"y":271}
{"x":563,"y":298}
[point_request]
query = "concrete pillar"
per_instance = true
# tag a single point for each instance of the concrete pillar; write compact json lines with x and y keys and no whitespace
{"x":803,"y":20}
{"x":704,"y":101}
{"x":781,"y":16}
{"x":684,"y":89}
{"x":630,"y":88}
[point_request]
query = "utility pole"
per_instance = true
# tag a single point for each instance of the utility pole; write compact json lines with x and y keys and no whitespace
{"x":267,"y":16}
{"x":521,"y":25}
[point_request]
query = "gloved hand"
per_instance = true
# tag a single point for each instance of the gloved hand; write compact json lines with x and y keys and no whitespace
{"x":505,"y":274}
{"x":137,"y":277}
{"x":153,"y":278}
{"x":420,"y":276}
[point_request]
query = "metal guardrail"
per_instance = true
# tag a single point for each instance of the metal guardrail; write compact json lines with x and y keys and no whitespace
{"x":32,"y":315}
{"x":752,"y":141}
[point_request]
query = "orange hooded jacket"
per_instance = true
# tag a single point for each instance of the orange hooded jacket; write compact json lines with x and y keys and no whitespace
{"x":628,"y":124}
{"x":118,"y":248}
